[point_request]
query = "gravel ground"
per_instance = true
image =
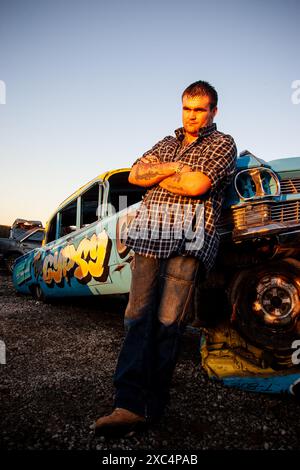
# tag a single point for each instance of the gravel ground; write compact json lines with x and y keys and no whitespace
{"x":57,"y":380}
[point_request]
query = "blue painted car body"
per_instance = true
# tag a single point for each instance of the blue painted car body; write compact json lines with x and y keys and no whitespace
{"x":84,"y":254}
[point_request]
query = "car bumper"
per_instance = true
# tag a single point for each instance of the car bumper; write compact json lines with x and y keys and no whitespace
{"x":284,"y":232}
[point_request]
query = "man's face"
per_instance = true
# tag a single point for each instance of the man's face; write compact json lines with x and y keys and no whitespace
{"x":196,"y":113}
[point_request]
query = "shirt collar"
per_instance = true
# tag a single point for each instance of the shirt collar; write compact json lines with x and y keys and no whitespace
{"x":203,"y":131}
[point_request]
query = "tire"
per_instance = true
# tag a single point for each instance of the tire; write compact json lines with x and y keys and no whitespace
{"x":10,"y":261}
{"x":38,"y":293}
{"x":266,"y":306}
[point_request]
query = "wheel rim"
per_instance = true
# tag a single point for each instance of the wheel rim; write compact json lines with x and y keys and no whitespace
{"x":266,"y":304}
{"x":277,"y":301}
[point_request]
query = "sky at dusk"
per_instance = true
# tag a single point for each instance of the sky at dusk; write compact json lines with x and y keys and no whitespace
{"x":88,"y":86}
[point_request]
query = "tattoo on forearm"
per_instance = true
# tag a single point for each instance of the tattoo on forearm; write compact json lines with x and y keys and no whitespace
{"x":176,"y":178}
{"x":173,"y":183}
{"x":149,"y":174}
{"x":175,"y":188}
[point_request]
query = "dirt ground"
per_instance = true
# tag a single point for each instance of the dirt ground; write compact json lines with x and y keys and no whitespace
{"x":57,"y":380}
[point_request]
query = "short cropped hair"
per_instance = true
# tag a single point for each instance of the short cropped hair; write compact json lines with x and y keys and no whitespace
{"x":201,"y":88}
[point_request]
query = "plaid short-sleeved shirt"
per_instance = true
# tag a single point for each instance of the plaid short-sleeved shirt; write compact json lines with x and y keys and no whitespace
{"x":168,"y":224}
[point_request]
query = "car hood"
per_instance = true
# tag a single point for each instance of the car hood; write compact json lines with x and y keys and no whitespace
{"x":285,"y":164}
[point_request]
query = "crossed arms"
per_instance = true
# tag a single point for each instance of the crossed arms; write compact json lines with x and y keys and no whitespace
{"x":149,"y":171}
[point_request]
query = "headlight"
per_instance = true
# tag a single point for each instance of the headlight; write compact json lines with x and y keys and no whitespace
{"x":256,"y":183}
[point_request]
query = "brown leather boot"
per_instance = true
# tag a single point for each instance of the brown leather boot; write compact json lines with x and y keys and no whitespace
{"x":118,"y":423}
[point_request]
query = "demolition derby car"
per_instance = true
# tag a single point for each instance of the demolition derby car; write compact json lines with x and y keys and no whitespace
{"x":253,"y":339}
{"x":24,"y":235}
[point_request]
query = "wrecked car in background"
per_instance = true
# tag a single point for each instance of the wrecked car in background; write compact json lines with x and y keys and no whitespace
{"x":249,"y":341}
{"x":24,"y":235}
{"x":22,"y":226}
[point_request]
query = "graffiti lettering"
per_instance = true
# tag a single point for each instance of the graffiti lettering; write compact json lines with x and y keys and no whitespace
{"x":37,"y":264}
{"x":89,"y":260}
{"x":121,"y":234}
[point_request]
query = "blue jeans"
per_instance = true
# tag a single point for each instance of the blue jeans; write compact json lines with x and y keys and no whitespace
{"x":160,"y":294}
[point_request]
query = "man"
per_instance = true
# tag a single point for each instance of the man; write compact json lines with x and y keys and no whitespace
{"x":175,"y":241}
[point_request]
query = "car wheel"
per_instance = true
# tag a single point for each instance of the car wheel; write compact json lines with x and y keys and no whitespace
{"x":10,"y":261}
{"x":38,"y":293}
{"x":266,"y":308}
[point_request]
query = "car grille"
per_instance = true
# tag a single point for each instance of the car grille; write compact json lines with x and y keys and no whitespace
{"x":290,"y":186}
{"x":287,"y":213}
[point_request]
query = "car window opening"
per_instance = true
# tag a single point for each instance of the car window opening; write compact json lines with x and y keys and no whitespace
{"x":123,"y":194}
